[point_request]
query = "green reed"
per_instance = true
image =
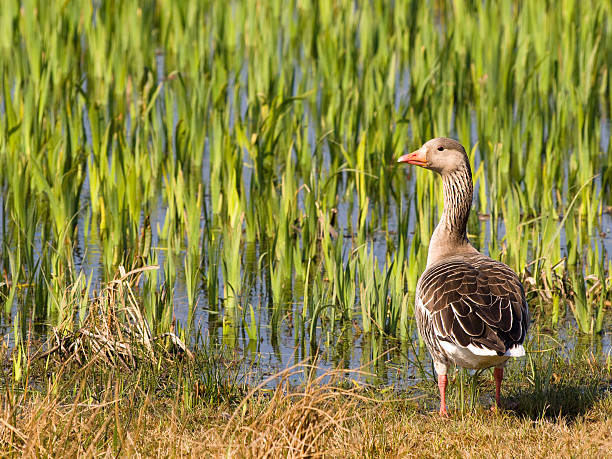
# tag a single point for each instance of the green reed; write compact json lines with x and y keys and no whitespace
{"x":192,"y":135}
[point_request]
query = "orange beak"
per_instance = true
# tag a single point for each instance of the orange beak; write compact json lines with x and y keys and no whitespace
{"x":416,"y":157}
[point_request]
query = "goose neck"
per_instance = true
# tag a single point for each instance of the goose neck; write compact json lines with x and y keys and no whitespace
{"x":450,"y":236}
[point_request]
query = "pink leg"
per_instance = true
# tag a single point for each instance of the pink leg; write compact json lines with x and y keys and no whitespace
{"x":442,"y":382}
{"x":498,"y":373}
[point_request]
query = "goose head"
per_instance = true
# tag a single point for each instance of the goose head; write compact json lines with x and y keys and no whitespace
{"x":441,"y":154}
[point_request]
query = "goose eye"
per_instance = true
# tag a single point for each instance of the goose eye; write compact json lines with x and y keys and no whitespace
{"x":440,"y":148}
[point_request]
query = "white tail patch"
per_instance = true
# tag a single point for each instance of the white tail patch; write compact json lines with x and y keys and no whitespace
{"x":516,"y":351}
{"x":472,"y":356}
{"x":481,"y":350}
{"x":452,"y":348}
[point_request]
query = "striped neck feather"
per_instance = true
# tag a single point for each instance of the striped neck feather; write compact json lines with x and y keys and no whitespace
{"x":450,"y":236}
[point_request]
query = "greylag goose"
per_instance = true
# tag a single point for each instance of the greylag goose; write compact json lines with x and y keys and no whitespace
{"x":470,"y":309}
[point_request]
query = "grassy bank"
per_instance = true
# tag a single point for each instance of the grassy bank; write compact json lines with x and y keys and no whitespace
{"x":114,"y":386}
{"x":177,"y":411}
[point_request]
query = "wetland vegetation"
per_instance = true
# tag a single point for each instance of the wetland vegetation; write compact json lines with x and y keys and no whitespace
{"x":207,"y":247}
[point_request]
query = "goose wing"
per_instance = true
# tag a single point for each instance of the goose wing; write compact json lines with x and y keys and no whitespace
{"x":475,"y":301}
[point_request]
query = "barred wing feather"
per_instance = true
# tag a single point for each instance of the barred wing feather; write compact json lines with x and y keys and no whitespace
{"x":475,"y":300}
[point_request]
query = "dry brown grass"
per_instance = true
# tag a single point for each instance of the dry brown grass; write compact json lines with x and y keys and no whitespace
{"x":115,"y":330}
{"x":293,"y":423}
{"x":317,"y":419}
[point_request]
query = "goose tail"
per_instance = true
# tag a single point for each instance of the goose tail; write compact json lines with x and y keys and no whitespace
{"x":516,"y":351}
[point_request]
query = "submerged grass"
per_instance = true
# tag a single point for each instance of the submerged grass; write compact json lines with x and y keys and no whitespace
{"x":182,"y":133}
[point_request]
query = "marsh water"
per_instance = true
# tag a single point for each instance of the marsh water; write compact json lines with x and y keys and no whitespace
{"x":377,"y":360}
{"x":230,"y":96}
{"x":381,"y":360}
